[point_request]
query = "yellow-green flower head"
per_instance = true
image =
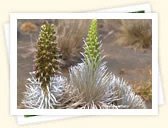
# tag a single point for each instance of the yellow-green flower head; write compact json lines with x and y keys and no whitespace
{"x":92,"y":45}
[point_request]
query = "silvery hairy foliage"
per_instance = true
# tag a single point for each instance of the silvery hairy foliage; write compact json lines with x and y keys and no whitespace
{"x":37,"y":98}
{"x":98,"y":89}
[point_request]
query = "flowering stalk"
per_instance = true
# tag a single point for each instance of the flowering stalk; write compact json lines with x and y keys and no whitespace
{"x":92,"y":46}
{"x":47,"y":55}
{"x":44,"y":88}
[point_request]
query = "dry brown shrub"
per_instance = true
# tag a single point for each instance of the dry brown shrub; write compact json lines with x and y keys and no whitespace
{"x":137,"y":33}
{"x":28,"y":27}
{"x":144,"y":88}
{"x":70,"y":34}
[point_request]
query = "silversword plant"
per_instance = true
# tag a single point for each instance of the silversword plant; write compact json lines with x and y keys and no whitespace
{"x":45,"y":86}
{"x":92,"y":86}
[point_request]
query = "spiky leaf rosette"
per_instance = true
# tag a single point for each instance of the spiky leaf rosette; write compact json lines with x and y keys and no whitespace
{"x":36,"y":98}
{"x":98,"y":90}
{"x":47,"y":55}
{"x":92,"y":46}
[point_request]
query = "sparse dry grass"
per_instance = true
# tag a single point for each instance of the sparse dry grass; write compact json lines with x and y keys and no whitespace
{"x":69,"y":36}
{"x":137,"y":33}
{"x":109,"y":24}
{"x":144,"y":88}
{"x":28,"y":27}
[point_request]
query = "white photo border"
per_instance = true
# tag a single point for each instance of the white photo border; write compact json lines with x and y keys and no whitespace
{"x":146,"y":7}
{"x":13,"y":64}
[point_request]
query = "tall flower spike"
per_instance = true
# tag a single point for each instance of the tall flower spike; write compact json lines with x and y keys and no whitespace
{"x":45,"y":87}
{"x":92,"y":86}
{"x":92,"y":45}
{"x":47,"y":55}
